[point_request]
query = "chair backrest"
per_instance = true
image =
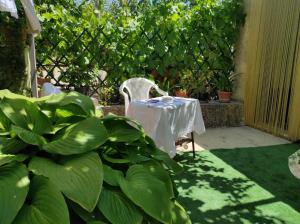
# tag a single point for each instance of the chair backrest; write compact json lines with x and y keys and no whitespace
{"x":138,"y":89}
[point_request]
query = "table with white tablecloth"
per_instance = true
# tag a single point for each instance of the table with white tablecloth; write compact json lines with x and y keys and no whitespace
{"x":166,"y":121}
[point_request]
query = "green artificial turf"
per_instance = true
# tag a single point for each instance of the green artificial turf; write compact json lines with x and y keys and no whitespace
{"x":243,"y":185}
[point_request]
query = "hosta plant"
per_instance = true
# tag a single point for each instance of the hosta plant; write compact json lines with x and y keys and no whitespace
{"x":61,"y":162}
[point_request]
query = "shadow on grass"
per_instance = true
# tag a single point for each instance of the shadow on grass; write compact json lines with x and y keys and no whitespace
{"x":268,"y":167}
{"x":239,"y":186}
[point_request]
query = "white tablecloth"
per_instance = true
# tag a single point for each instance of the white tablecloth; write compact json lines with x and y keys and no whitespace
{"x":165,"y":122}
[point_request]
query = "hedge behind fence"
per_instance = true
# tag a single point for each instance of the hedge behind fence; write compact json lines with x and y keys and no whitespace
{"x":175,"y":42}
{"x":12,"y":46}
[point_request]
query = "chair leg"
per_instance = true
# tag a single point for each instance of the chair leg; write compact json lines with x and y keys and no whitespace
{"x":193,"y":144}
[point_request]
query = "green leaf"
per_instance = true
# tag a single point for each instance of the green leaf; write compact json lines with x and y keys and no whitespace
{"x":64,"y":113}
{"x":47,"y":204}
{"x":146,"y":191}
{"x":29,"y":137}
{"x":134,"y":156}
{"x":11,"y":145}
{"x":117,"y":209}
{"x":165,"y":158}
{"x":4,"y":123}
{"x":81,"y":137}
{"x":157,"y":170}
{"x":96,"y":222}
{"x":115,"y":160}
{"x":49,"y":104}
{"x":112,"y":117}
{"x":56,"y":128}
{"x":79,"y":177}
{"x":82,"y":101}
{"x":25,"y":114}
{"x":111,"y":176}
{"x":119,"y":130}
{"x":179,"y":215}
{"x":5,"y":93}
{"x":14,"y":187}
{"x":6,"y":158}
{"x":86,"y":216}
{"x":52,"y":100}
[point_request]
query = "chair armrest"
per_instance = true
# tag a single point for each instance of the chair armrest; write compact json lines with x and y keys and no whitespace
{"x":160,"y":91}
{"x":126,"y":98}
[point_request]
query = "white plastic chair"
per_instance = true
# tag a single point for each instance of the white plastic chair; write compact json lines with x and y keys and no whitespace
{"x":138,"y":89}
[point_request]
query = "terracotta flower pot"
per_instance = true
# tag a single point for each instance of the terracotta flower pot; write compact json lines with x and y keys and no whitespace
{"x":41,"y":81}
{"x":224,"y":97}
{"x":181,"y":93}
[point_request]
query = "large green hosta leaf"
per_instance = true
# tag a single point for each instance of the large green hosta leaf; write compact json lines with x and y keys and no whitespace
{"x":86,"y":216}
{"x":120,"y":130}
{"x":46,"y":204}
{"x":5,"y":93}
{"x":156,"y":169}
{"x":165,"y":158}
{"x":111,"y":176}
{"x":49,"y":104}
{"x":11,"y":145}
{"x":13,"y":190}
{"x":29,"y":137}
{"x":80,"y":100}
{"x":96,"y":222}
{"x":147,"y":192}
{"x":64,"y":113}
{"x":81,"y":137}
{"x":118,"y":209}
{"x":78,"y":177}
{"x":6,"y":158}
{"x":67,"y":104}
{"x":25,"y":114}
{"x":4,"y":124}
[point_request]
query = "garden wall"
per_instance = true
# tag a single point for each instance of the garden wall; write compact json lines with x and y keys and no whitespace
{"x":214,"y":114}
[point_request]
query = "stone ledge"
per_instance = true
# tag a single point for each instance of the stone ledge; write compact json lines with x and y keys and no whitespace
{"x":223,"y":114}
{"x":115,"y":109}
{"x":214,"y":114}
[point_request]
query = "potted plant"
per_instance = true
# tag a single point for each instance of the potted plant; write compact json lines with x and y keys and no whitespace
{"x":183,"y":86}
{"x":224,"y":85}
{"x":41,"y":80}
{"x":197,"y":86}
{"x":181,"y":91}
{"x":79,"y":80}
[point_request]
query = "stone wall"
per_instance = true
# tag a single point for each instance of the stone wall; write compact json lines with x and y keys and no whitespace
{"x":115,"y":109}
{"x":214,"y":114}
{"x":223,"y":114}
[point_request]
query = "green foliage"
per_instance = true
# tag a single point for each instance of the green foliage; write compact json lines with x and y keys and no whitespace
{"x":223,"y":82}
{"x":57,"y":156}
{"x":12,"y":46}
{"x":165,"y":40}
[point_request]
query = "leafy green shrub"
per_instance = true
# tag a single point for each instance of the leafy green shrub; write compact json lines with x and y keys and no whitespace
{"x":13,"y":74}
{"x":61,"y":163}
{"x":164,"y":40}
